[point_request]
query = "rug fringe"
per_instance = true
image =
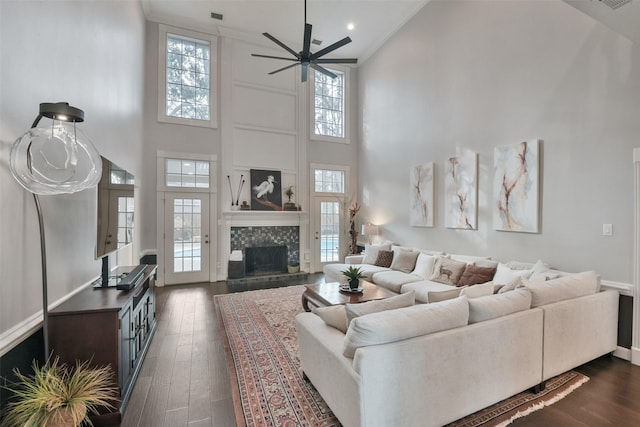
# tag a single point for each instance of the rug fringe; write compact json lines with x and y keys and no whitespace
{"x":540,"y":405}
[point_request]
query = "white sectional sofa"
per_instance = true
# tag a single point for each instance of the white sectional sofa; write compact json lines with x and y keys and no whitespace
{"x":431,"y":364}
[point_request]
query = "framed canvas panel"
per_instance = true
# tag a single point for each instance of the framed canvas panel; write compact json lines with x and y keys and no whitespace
{"x":266,"y":190}
{"x":515,"y":187}
{"x":461,"y":191}
{"x":421,"y":194}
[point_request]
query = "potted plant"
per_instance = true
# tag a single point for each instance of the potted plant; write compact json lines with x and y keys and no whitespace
{"x":289,"y":205}
{"x":353,"y":274}
{"x":57,"y":395}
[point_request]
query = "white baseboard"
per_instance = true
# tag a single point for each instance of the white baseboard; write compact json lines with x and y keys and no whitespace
{"x":622,"y":353}
{"x":635,"y":355}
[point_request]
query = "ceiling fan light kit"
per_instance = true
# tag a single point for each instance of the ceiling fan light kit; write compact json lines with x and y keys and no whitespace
{"x":305,"y":57}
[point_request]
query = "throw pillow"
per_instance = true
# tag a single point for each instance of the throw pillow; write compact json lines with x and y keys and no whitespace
{"x":447,"y":271}
{"x":494,"y":306}
{"x":402,"y":300}
{"x":506,"y":276}
{"x":334,"y":316}
{"x":405,"y":323}
{"x":371,"y":252}
{"x":540,"y":269}
{"x":473,"y":275}
{"x":404,"y":260}
{"x":478,"y":291}
{"x":384,"y":259}
{"x":424,"y":265}
{"x":443,"y":295}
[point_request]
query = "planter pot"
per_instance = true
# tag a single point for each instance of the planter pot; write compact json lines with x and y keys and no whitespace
{"x":63,"y":417}
{"x":353,"y":284}
{"x":293,"y":268}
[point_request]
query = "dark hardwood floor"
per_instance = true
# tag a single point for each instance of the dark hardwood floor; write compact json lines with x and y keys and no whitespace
{"x":184,"y":379}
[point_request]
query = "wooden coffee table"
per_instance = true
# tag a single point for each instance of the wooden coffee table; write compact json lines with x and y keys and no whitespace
{"x":326,"y":294}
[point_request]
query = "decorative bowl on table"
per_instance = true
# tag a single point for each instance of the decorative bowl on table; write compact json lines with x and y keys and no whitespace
{"x":347,"y":289}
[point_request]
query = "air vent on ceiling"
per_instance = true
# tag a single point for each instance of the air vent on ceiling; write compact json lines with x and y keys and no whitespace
{"x":216,"y":16}
{"x":614,"y":4}
{"x":316,"y":42}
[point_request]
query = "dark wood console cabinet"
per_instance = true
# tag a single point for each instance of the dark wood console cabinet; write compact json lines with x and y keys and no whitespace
{"x":109,"y":327}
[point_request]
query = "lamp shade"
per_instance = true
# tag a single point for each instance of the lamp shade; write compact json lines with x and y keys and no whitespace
{"x":55,"y":159}
{"x":369,"y":230}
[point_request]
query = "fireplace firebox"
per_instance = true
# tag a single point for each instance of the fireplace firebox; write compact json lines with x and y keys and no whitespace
{"x":263,"y":260}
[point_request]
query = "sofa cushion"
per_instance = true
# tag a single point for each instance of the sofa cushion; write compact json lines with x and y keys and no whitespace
{"x":334,"y":316}
{"x":478,"y":291}
{"x":371,"y":252}
{"x":493,"y":306}
{"x":474,"y":275}
{"x":468,"y":259}
{"x":394,"y":280}
{"x":424,"y":265}
{"x":447,"y":271}
{"x":563,"y":288}
{"x":404,"y":323}
{"x":404,"y":260}
{"x":399,"y":301}
{"x":384,"y":259}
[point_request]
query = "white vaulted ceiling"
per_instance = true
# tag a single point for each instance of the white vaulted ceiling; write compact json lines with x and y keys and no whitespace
{"x":374,"y":20}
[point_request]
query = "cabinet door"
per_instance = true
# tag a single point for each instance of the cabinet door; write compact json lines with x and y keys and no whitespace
{"x":127,"y":333}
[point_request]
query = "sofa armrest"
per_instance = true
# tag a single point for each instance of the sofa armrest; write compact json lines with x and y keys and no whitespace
{"x":353,"y":259}
{"x":579,"y":330}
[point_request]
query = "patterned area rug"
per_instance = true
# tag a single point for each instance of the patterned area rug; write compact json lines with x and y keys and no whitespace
{"x":267,"y":384}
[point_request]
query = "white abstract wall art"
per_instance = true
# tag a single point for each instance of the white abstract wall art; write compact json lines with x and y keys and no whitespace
{"x":461,"y":191}
{"x":515,"y":187}
{"x":421,"y":194}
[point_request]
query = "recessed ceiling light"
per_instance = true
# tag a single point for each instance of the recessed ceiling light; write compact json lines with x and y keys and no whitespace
{"x":350,"y":26}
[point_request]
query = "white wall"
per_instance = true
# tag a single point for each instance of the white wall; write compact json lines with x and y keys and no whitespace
{"x":482,"y":74}
{"x":89,"y":54}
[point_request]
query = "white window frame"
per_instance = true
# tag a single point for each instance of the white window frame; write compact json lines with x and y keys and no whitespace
{"x":163,"y":30}
{"x":347,"y":106}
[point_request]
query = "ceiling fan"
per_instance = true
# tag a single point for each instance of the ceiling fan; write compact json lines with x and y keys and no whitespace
{"x":306,"y":58}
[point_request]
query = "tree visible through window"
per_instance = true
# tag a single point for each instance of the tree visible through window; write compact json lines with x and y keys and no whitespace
{"x":329,"y":105}
{"x":188,"y":68}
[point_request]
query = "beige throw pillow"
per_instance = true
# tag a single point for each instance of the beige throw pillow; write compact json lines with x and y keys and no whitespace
{"x":404,"y":260}
{"x":371,"y":252}
{"x":402,"y":300}
{"x":447,"y":271}
{"x":424,"y":265}
{"x":334,"y":316}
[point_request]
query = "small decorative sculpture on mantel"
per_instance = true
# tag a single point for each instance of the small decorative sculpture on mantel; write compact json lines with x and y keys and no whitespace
{"x":353,"y":211}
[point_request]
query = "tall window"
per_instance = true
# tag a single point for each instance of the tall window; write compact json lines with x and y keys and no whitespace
{"x":187,"y":71}
{"x":329,"y":108}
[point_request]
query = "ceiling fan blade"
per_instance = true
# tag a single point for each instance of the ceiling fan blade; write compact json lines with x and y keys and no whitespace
{"x":305,"y":71}
{"x":323,"y":70}
{"x":273,"y":57}
{"x":282,"y":45}
{"x":336,"y":61}
{"x":284,"y":68}
{"x":306,"y":45}
{"x":330,"y":48}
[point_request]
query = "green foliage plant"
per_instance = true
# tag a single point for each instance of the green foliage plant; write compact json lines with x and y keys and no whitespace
{"x":56,"y":391}
{"x":353,"y":272}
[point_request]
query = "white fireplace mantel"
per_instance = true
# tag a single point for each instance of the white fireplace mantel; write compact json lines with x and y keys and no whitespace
{"x":264,"y":218}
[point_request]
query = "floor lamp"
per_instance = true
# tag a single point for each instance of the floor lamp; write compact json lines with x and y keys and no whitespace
{"x":54,"y":159}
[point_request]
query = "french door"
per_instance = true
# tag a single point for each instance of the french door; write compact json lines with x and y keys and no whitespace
{"x":327,"y":231}
{"x":187,"y":238}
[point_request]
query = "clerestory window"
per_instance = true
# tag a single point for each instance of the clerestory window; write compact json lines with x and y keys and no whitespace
{"x":187,"y":70}
{"x":329,"y":106}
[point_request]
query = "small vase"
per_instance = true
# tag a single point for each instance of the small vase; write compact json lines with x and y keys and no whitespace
{"x":353,"y":284}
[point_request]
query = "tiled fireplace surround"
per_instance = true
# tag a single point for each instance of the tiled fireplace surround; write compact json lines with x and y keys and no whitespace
{"x":289,"y":236}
